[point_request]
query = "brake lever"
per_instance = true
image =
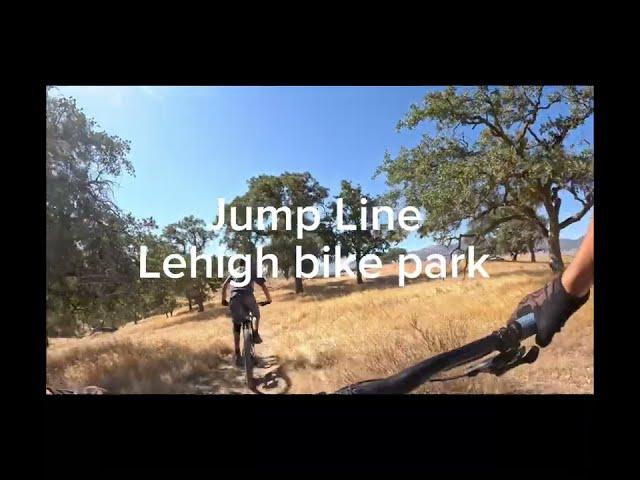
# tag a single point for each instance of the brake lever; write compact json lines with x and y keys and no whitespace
{"x":504,"y":362}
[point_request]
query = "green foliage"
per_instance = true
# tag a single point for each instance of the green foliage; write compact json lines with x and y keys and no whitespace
{"x":182,"y":236}
{"x":188,"y":232}
{"x":289,"y":189}
{"x":92,"y":247}
{"x":359,"y":242}
{"x":156,"y":295}
{"x":515,"y":166}
{"x":514,"y":238}
{"x":90,"y":242}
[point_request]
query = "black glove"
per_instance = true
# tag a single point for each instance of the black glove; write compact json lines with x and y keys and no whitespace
{"x":225,"y":303}
{"x":552,"y":306}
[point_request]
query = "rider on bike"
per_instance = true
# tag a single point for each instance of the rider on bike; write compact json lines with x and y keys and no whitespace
{"x":242,"y":302}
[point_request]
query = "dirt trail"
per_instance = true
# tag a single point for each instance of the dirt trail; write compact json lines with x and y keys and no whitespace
{"x":227,"y":378}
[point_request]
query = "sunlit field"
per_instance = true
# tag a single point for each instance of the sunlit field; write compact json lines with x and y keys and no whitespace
{"x":336,"y":333}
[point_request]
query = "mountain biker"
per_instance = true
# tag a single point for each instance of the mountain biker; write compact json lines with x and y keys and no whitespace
{"x":241,"y":302}
{"x":553,"y":304}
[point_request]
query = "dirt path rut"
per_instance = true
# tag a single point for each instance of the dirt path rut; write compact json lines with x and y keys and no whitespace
{"x":227,"y":378}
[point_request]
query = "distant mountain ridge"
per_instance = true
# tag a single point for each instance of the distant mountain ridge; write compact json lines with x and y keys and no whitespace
{"x":423,"y":253}
{"x":567,"y":245}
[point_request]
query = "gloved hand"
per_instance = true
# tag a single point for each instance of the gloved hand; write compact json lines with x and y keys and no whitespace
{"x":225,"y":303}
{"x":552,"y":306}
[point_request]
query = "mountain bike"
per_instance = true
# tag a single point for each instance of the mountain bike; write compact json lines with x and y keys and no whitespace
{"x":505,"y":341}
{"x":248,"y":345}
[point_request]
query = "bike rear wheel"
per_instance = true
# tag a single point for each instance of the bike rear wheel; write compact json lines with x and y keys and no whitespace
{"x":248,"y":354}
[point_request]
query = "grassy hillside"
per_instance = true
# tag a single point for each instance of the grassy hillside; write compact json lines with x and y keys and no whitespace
{"x":337,"y":332}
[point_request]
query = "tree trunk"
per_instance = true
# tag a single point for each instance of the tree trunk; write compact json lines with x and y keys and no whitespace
{"x":552,"y":205}
{"x":532,"y":251}
{"x":514,"y":256}
{"x":299,"y":287}
{"x":555,"y":254}
{"x":358,"y":273}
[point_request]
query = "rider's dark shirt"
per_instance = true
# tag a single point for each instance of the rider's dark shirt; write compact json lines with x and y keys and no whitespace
{"x":248,"y":288}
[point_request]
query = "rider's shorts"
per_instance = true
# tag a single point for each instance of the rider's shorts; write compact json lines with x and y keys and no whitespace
{"x":240,"y":306}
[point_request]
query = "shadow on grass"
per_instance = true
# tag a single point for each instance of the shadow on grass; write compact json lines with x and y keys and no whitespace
{"x":273,"y":381}
{"x":346,"y":286}
{"x":211,"y":312}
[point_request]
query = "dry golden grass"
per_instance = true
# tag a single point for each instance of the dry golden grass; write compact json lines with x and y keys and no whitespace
{"x":336,"y":333}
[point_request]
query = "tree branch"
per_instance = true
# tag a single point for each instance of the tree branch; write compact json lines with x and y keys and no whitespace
{"x":533,"y":115}
{"x":578,"y":216}
{"x":531,"y":213}
{"x":572,"y":190}
{"x":499,"y":221}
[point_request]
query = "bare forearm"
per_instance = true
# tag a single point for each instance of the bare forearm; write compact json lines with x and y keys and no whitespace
{"x":578,"y":278}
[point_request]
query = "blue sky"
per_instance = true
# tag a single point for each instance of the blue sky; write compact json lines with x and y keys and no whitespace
{"x":191,"y":145}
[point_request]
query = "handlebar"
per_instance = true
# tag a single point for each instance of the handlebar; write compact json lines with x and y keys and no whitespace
{"x":527,"y":325}
{"x":506,"y":339}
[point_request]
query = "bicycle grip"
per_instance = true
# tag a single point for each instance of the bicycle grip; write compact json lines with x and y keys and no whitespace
{"x":527,"y":324}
